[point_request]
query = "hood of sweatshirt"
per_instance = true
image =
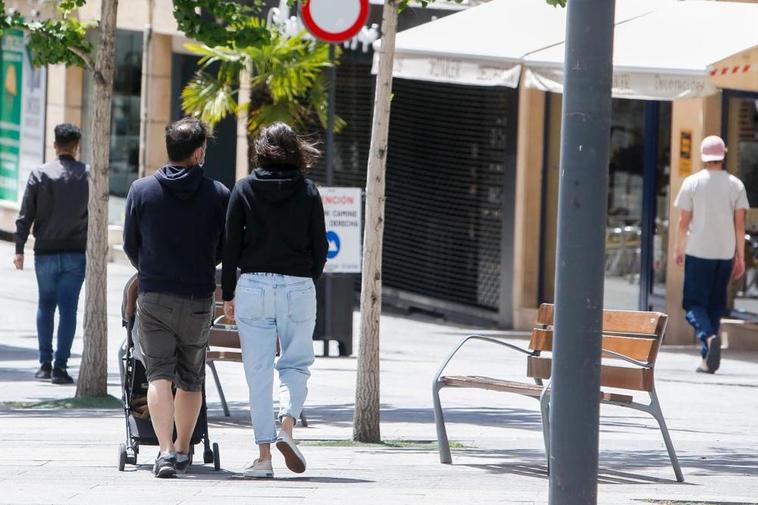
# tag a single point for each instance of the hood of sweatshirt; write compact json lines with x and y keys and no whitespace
{"x":182,"y":182}
{"x":276,"y":184}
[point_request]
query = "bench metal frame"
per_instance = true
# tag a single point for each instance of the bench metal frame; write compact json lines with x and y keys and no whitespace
{"x":653,"y":408}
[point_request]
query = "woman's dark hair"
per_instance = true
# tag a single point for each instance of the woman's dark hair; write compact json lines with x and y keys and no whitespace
{"x":279,"y":145}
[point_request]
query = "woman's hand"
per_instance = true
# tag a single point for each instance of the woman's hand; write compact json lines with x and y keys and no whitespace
{"x":229,"y":310}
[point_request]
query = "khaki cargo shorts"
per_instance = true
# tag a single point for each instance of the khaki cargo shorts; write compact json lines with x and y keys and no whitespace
{"x":174,"y":337}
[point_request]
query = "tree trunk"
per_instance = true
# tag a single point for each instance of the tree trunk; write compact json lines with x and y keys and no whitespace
{"x":243,"y":144}
{"x":93,"y":375}
{"x":366,"y":415}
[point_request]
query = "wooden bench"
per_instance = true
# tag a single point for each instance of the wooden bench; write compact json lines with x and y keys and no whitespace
{"x":630,"y":347}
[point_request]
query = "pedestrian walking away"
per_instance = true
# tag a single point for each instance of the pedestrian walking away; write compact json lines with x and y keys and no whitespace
{"x":710,"y":243}
{"x":173,"y":236}
{"x":54,"y":209}
{"x":275,"y":234}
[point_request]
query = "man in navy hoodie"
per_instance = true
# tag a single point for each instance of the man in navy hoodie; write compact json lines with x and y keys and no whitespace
{"x":173,"y":234}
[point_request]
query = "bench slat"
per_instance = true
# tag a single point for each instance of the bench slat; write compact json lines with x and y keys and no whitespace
{"x":224,"y":338}
{"x":532,"y":390}
{"x":476,"y":382}
{"x":224,"y":356}
{"x":616,"y":321}
{"x":636,"y":379}
{"x":639,"y":348}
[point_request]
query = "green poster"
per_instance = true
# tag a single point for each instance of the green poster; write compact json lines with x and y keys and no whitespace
{"x":11,"y":70}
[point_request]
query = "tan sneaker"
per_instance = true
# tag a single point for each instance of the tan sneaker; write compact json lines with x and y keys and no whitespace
{"x":292,"y":456}
{"x":259,"y":469}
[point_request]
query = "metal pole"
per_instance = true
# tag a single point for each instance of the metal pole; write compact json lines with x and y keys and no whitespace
{"x":332,"y":83}
{"x":582,"y":213}
{"x":330,"y":155}
{"x":147,"y":38}
{"x":649,"y":169}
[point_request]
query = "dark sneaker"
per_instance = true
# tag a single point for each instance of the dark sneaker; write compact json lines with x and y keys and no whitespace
{"x":182,"y":462}
{"x":61,"y":376}
{"x":713,"y":358}
{"x":165,"y":466}
{"x":44,"y":371}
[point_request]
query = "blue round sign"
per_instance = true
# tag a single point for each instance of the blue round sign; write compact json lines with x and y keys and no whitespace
{"x":334,"y":244}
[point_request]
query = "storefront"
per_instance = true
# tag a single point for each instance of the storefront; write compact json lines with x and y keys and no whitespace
{"x":664,"y":104}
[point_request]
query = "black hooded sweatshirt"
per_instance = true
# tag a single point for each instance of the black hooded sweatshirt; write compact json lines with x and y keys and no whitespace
{"x":274,"y":224}
{"x":173,"y":231}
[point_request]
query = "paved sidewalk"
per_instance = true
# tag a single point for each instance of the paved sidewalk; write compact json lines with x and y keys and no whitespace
{"x":69,"y":456}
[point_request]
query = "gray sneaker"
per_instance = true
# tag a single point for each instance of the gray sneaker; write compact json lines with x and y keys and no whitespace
{"x":259,"y":469}
{"x":182,"y":462}
{"x":165,"y":466}
{"x":292,"y":455}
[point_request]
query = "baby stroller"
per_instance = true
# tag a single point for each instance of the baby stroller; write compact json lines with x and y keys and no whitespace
{"x":139,"y":428}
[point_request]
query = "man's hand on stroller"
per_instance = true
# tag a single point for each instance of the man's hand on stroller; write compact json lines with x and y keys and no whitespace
{"x":229,"y":310}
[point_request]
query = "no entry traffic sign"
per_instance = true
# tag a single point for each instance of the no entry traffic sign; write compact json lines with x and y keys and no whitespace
{"x":334,"y":21}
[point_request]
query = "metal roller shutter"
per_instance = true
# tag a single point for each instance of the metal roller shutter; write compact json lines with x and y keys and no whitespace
{"x":451,"y":162}
{"x":451,"y":157}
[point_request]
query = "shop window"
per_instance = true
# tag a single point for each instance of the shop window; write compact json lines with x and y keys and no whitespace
{"x":625,"y":202}
{"x":125,"y":114}
{"x":742,"y":160}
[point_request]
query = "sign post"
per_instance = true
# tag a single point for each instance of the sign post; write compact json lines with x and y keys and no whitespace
{"x":336,"y":21}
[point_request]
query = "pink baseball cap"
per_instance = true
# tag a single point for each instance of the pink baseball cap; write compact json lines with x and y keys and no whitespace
{"x":712,"y":149}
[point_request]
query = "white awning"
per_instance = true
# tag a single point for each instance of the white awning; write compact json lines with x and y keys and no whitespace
{"x":485,"y":45}
{"x":662,"y":48}
{"x":664,"y":55}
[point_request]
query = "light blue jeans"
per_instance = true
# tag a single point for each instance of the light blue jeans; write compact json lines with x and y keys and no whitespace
{"x":268,"y":306}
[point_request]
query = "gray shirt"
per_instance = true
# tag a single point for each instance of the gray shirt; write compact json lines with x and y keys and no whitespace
{"x":712,"y":196}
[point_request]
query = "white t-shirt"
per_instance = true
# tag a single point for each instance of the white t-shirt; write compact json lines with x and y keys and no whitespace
{"x":712,"y":196}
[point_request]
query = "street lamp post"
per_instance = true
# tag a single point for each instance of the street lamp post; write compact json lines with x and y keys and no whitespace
{"x":580,"y":259}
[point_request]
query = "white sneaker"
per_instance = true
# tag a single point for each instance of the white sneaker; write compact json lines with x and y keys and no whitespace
{"x":292,"y":456}
{"x":259,"y":469}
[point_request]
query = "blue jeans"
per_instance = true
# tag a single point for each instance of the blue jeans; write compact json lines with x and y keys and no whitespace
{"x":705,"y":295}
{"x":268,"y":306}
{"x":59,"y":281}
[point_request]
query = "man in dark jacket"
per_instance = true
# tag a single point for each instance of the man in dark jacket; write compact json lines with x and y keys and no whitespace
{"x":173,"y":235}
{"x":55,"y":210}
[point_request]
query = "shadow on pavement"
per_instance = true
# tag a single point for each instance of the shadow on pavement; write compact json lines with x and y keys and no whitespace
{"x":618,"y":467}
{"x":13,"y":353}
{"x":207,"y":473}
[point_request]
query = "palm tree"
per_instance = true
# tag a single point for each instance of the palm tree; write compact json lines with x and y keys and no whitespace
{"x":287,"y":83}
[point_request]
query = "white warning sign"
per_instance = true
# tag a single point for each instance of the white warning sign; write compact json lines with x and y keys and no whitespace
{"x":342,"y":212}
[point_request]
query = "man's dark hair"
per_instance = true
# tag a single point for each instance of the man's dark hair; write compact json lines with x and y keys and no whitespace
{"x":67,"y":135}
{"x":184,"y":136}
{"x":279,"y":145}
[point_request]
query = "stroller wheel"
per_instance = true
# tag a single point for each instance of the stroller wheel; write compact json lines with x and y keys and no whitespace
{"x":216,"y":458}
{"x":208,"y":456}
{"x":121,"y":457}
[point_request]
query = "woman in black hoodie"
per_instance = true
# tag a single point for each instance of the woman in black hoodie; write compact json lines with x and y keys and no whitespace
{"x":275,"y":235}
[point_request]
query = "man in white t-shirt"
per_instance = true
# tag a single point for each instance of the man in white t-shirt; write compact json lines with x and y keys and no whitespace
{"x":711,"y":244}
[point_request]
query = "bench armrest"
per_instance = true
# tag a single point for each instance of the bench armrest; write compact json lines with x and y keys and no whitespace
{"x":624,"y":357}
{"x":483,"y":339}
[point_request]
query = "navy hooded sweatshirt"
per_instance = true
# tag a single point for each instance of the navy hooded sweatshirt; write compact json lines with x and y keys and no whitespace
{"x":173,"y":231}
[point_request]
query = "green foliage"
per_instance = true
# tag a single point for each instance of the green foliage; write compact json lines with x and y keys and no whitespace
{"x":62,"y":39}
{"x":286,"y":84}
{"x":221,"y":22}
